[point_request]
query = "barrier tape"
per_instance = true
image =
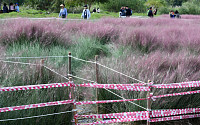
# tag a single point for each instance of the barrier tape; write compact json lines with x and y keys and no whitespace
{"x":29,"y":87}
{"x":169,"y":112}
{"x":14,"y":108}
{"x":178,"y":85}
{"x":107,"y":101}
{"x":139,"y":114}
{"x":175,"y":118}
{"x":176,"y":94}
{"x":129,"y":87}
{"x":114,"y":121}
{"x":115,"y":86}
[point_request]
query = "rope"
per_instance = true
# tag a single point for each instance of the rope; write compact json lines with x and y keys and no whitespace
{"x":35,"y":116}
{"x":109,"y":91}
{"x":18,"y":63}
{"x":108,"y":68}
{"x":33,"y":57}
{"x":56,"y":72}
{"x":81,"y":78}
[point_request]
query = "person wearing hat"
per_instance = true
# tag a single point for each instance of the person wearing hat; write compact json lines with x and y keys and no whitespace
{"x":63,"y":11}
{"x":86,"y":13}
{"x":17,"y":7}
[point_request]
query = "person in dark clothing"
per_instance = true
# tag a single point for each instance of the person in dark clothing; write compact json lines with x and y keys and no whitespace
{"x":155,"y":11}
{"x":172,"y":15}
{"x":122,"y":12}
{"x":5,"y":8}
{"x":177,"y":15}
{"x":94,"y":10}
{"x":150,"y":12}
{"x":128,"y":12}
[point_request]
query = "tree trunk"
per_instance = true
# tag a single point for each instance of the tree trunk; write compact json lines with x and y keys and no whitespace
{"x":0,"y":4}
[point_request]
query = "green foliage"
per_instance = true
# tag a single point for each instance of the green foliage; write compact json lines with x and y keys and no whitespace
{"x":191,"y":7}
{"x":155,"y":3}
{"x":164,"y":10}
{"x":115,"y":5}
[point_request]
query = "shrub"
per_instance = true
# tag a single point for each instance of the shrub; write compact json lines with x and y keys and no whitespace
{"x":189,"y":8}
{"x":137,"y":6}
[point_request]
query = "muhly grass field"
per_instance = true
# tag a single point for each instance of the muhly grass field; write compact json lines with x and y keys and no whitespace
{"x":162,"y":50}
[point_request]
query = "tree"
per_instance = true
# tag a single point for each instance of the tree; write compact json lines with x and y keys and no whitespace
{"x":88,"y":2}
{"x":174,"y":3}
{"x":155,"y":3}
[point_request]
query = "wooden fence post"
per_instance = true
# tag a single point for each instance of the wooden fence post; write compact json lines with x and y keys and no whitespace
{"x":97,"y":80}
{"x":41,"y":69}
{"x":149,"y":104}
{"x":72,"y":88}
{"x":70,"y":63}
{"x":74,"y":98}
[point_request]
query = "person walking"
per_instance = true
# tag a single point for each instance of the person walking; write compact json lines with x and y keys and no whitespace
{"x":63,"y":11}
{"x":150,"y":12}
{"x":5,"y":8}
{"x":86,"y":13}
{"x":17,"y":7}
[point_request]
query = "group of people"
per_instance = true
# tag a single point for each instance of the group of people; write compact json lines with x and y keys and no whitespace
{"x":151,"y":12}
{"x":175,"y":14}
{"x":96,"y":10}
{"x":12,"y":8}
{"x":125,"y":12}
{"x":85,"y":14}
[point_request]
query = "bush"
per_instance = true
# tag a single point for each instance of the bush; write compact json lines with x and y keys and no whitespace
{"x":164,"y":10}
{"x":189,"y":8}
{"x":135,"y":5}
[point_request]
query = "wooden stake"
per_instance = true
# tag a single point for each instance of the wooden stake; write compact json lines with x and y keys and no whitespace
{"x":41,"y":69}
{"x":97,"y":80}
{"x":69,"y":63}
{"x":149,"y":104}
{"x":73,"y":97}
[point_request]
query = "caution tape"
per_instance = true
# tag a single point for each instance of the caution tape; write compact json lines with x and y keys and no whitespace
{"x":114,"y":121}
{"x":178,"y":85}
{"x":115,"y":86}
{"x":176,"y":94}
{"x":139,"y":114}
{"x":107,"y":101}
{"x":175,"y":118}
{"x":170,"y":112}
{"x":41,"y":86}
{"x":14,"y":108}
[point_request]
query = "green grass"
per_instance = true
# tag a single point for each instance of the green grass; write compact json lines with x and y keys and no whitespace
{"x":17,"y":75}
{"x":32,"y":13}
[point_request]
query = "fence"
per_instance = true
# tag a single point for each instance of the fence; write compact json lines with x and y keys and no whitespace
{"x":148,"y":115}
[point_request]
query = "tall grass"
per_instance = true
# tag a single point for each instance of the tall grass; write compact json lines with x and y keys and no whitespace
{"x":162,"y":50}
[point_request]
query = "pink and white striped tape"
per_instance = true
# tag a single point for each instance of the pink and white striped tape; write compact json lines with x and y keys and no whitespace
{"x":115,"y":86}
{"x":178,"y":85}
{"x":175,"y":118}
{"x":169,"y":112}
{"x":106,"y":101}
{"x":14,"y":108}
{"x":29,"y":87}
{"x":114,"y":121}
{"x":139,"y":114}
{"x":176,"y":94}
